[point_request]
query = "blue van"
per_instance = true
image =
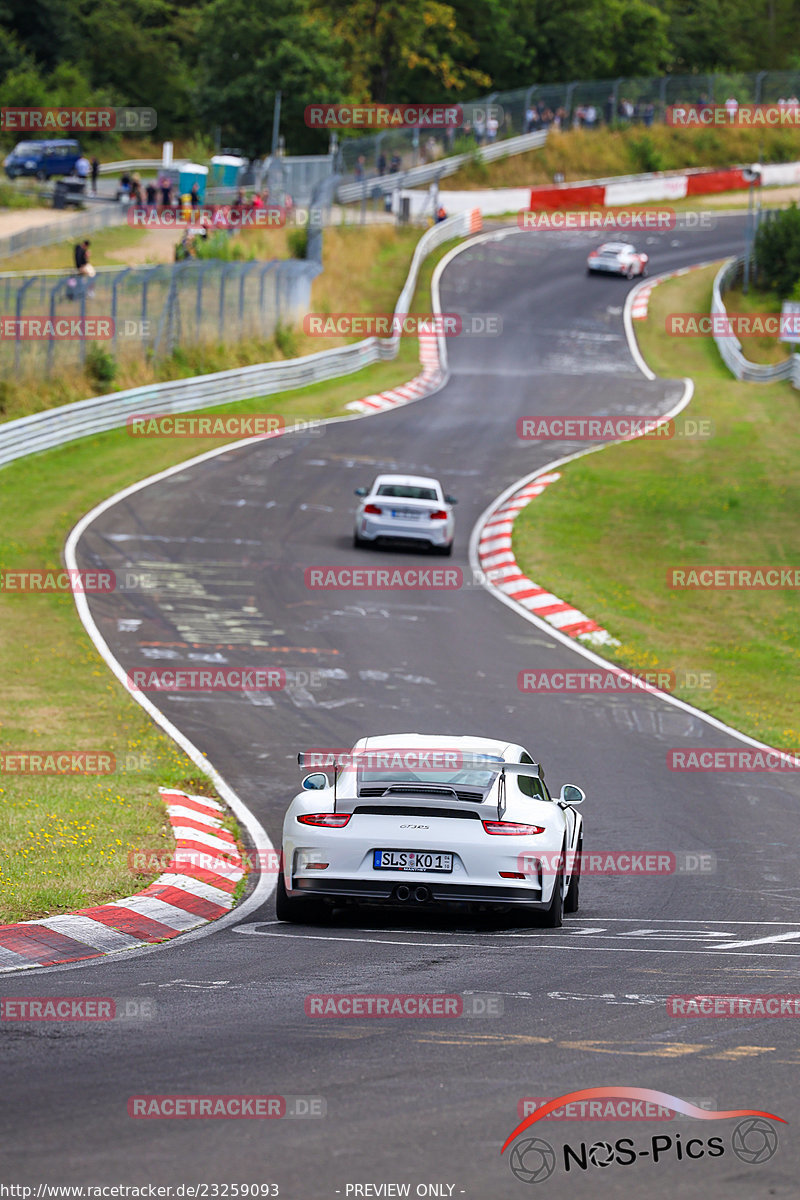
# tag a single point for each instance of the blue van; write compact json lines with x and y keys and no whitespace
{"x":43,"y":158}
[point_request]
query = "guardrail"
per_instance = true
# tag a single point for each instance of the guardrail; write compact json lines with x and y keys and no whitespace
{"x":417,"y":176}
{"x":729,"y":346}
{"x":57,"y":426}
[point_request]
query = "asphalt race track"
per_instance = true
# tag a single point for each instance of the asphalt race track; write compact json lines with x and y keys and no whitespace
{"x":425,"y":1102}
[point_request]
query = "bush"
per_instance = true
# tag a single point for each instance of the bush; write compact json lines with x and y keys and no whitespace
{"x":298,"y":242}
{"x":101,"y":366}
{"x":286,"y":341}
{"x":645,"y":155}
{"x":777,"y":250}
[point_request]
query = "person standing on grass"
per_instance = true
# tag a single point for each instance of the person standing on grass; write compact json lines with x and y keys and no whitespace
{"x":95,"y":173}
{"x":79,"y":255}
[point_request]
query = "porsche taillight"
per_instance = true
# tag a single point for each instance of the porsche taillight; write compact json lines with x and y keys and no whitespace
{"x":512,"y":828}
{"x":325,"y":820}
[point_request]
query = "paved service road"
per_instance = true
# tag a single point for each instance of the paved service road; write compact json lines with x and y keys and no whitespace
{"x":428,"y":1102}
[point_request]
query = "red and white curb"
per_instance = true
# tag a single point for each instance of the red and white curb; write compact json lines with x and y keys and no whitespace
{"x":194,"y":894}
{"x":641,"y":297}
{"x":501,"y":569}
{"x":431,"y":378}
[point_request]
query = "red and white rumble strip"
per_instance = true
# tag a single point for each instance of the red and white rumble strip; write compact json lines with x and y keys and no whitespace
{"x":432,"y":376}
{"x":173,"y":904}
{"x":502,"y":570}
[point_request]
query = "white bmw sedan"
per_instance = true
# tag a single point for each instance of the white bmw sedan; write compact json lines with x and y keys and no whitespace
{"x":415,"y":820}
{"x":407,"y":508}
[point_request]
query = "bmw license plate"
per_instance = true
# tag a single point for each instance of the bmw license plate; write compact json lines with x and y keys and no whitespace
{"x":411,"y":860}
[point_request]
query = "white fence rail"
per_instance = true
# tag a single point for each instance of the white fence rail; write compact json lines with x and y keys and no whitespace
{"x":730,"y":348}
{"x":57,"y":426}
{"x":418,"y":176}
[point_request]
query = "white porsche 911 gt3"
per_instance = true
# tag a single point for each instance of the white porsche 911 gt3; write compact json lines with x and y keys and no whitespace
{"x":617,"y":258}
{"x":414,"y":819}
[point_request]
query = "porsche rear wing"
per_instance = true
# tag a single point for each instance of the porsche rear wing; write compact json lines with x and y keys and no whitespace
{"x":400,"y":762}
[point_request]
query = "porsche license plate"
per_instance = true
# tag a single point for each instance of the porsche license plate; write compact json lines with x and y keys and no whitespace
{"x":411,"y":860}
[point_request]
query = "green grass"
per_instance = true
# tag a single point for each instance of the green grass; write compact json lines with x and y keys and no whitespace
{"x":64,"y":841}
{"x":758,"y":349}
{"x":595,"y":154}
{"x":604,"y":536}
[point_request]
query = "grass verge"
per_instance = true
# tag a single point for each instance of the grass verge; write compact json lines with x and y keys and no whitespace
{"x":364,"y":268}
{"x":64,"y":841}
{"x":604,"y":537}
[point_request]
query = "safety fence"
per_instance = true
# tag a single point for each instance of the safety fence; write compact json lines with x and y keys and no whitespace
{"x":55,"y":427}
{"x":729,"y":346}
{"x":146,"y":311}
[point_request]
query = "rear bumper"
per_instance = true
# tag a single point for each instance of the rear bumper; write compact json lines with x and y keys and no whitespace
{"x":384,"y":891}
{"x":435,"y":533}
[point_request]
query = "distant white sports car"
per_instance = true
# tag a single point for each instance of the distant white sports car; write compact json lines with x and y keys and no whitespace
{"x":407,"y":508}
{"x":414,"y":819}
{"x":617,"y":258}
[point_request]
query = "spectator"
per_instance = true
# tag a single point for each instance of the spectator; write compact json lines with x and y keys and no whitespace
{"x":609,"y":109}
{"x":381,"y":163}
{"x":86,"y":270}
{"x":166,"y":190}
{"x":394,"y":164}
{"x":530,"y":120}
{"x":648,"y":114}
{"x":358,"y":169}
{"x":492,"y":126}
{"x":83,"y":168}
{"x":95,"y":173}
{"x":256,"y":202}
{"x":152,"y":194}
{"x":194,"y":195}
{"x":479,"y":130}
{"x":590,"y":116}
{"x":441,"y":214}
{"x":731,"y":106}
{"x":79,"y":254}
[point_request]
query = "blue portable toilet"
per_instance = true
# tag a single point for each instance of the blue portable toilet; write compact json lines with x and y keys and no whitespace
{"x":225,"y":170}
{"x":191,"y":173}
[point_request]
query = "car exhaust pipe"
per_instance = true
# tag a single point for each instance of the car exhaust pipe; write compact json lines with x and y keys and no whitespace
{"x":421,"y":895}
{"x":402,"y":892}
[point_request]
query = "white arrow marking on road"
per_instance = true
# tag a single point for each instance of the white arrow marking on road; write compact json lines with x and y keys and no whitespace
{"x":777,"y":937}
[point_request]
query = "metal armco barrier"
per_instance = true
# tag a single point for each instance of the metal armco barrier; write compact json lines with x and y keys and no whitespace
{"x":730,"y":348}
{"x":57,"y":426}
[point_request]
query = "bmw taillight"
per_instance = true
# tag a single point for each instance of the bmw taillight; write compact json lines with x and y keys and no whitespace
{"x":439,"y":515}
{"x":373,"y":508}
{"x":512,"y":828}
{"x":326,"y":820}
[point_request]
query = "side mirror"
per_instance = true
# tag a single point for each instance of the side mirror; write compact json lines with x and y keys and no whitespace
{"x":570,"y":794}
{"x":362,"y":491}
{"x":315,"y":782}
{"x":450,"y":500}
